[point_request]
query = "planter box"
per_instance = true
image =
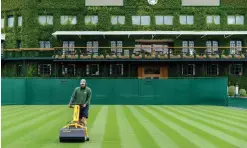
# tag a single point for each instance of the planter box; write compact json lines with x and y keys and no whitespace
{"x":226,"y":56}
{"x":85,"y":57}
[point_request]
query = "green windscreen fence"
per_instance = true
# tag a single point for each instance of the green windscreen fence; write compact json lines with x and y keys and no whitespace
{"x":211,"y":91}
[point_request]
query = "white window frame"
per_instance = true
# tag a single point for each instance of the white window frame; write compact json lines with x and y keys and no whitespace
{"x":164,"y":20}
{"x":65,"y":71}
{"x":236,"y":19}
{"x":91,"y":19}
{"x":187,"y":19}
{"x":188,"y":47}
{"x":44,"y":44}
{"x":93,"y":47}
{"x":217,"y":72}
{"x":19,"y":19}
{"x":46,"y":20}
{"x":88,"y":69}
{"x":115,"y":44}
{"x":138,"y":20}
{"x":68,"y":19}
{"x":67,"y":44}
{"x":11,"y":21}
{"x":231,"y":65}
{"x":213,"y":19}
{"x":122,"y":68}
{"x":117,"y":20}
{"x":194,"y":69}
{"x":2,"y":23}
{"x":39,"y":66}
{"x":212,"y":46}
{"x":235,"y":46}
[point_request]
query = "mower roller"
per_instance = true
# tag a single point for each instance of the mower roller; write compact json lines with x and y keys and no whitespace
{"x":75,"y":130}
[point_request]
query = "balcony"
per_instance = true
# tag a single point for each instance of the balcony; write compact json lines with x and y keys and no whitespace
{"x":127,"y":54}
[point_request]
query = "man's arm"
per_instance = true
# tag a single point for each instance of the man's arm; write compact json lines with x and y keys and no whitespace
{"x":89,"y":96}
{"x":73,"y":97}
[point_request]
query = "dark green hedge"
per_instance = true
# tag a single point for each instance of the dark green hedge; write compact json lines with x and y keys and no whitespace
{"x":32,"y":32}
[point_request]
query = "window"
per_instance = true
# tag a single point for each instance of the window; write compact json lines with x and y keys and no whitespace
{"x":186,"y":19}
{"x":68,"y":20}
{"x":152,"y":70}
{"x":92,"y":47}
{"x":212,"y":69}
{"x":164,"y":20}
{"x":19,"y":69}
{"x":235,"y":47}
{"x":117,"y":20}
{"x":46,"y":20}
{"x":116,"y":69}
{"x":2,"y":46}
{"x":236,"y":69}
{"x":19,"y":20}
{"x":93,"y":69}
{"x":10,"y":21}
{"x":45,"y":44}
{"x":2,"y":23}
{"x":213,"y":19}
{"x":115,"y":44}
{"x":141,"y":20}
{"x":69,"y":70}
{"x":188,"y":47}
{"x":212,"y":46}
{"x":93,"y":19}
{"x":44,"y":69}
{"x":71,"y":45}
{"x":235,"y":20}
{"x":188,"y":69}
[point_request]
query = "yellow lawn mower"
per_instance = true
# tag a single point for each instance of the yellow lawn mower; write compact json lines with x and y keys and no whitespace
{"x":74,"y":131}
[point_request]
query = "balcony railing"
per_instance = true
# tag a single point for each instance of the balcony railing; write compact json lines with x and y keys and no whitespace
{"x":128,"y":53}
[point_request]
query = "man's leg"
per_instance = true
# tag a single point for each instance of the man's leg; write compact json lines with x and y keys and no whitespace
{"x":85,"y":115}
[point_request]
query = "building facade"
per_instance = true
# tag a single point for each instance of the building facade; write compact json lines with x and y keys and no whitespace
{"x":125,"y":39}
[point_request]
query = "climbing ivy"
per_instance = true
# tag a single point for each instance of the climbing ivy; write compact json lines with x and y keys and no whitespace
{"x":31,"y":31}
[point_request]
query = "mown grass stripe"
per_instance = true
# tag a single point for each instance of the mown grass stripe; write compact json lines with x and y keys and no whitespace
{"x":42,"y":130}
{"x":225,"y":115}
{"x":6,"y":109}
{"x":113,"y":139}
{"x":23,"y":116}
{"x":28,"y":126}
{"x":97,"y":132}
{"x":241,"y":135}
{"x":232,"y":141}
{"x":217,"y":119}
{"x":32,"y":114}
{"x":52,"y":141}
{"x":227,"y":109}
{"x":141,"y":132}
{"x":231,"y":112}
{"x":191,"y":127}
{"x":220,"y":118}
{"x":175,"y":131}
{"x":127,"y":135}
{"x":159,"y":137}
{"x":10,"y":112}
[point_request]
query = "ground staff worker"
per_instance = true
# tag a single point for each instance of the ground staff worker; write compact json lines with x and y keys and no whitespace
{"x":82,"y":96}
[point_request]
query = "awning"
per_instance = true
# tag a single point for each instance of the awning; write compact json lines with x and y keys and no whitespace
{"x":2,"y":36}
{"x":153,"y":33}
{"x":150,"y":33}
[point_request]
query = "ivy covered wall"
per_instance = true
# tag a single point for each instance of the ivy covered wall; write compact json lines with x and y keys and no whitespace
{"x":32,"y":32}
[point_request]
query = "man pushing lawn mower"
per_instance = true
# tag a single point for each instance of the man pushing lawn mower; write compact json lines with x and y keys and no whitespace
{"x":82,"y":96}
{"x":76,"y":130}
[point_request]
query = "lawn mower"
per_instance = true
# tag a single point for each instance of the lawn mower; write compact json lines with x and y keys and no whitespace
{"x":74,"y":131}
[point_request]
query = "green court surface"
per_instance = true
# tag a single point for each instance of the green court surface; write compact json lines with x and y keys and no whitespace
{"x":118,"y":126}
